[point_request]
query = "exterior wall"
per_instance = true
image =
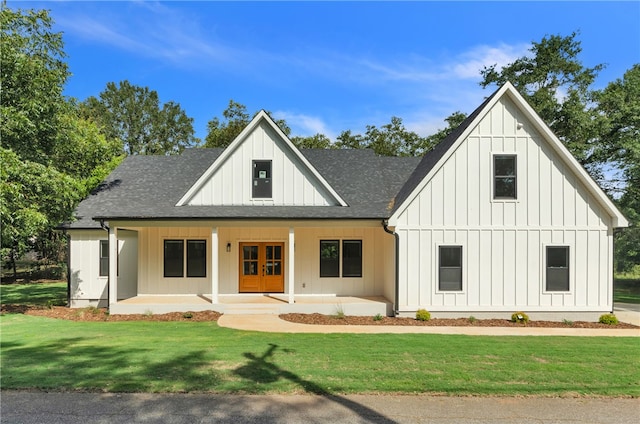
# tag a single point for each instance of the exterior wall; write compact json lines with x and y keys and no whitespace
{"x":504,"y":240}
{"x":231,"y":184}
{"x":87,"y":287}
{"x":127,"y":264}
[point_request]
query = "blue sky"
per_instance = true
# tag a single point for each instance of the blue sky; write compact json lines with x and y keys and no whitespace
{"x":326,"y":66}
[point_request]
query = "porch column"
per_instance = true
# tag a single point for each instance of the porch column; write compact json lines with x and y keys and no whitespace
{"x":214,"y":265}
{"x":292,"y":259}
{"x":113,"y":265}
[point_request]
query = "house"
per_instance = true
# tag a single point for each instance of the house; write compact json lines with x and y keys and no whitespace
{"x":498,"y":218}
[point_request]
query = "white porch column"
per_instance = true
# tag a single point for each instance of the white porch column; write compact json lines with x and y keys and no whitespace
{"x":113,"y":265}
{"x":292,"y":259}
{"x":214,"y":265}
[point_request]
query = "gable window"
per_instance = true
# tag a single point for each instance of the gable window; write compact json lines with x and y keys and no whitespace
{"x":104,"y":258}
{"x":504,"y":177}
{"x":332,"y":260}
{"x":261,"y":188}
{"x":450,"y":268}
{"x":174,"y":258}
{"x":557,"y":268}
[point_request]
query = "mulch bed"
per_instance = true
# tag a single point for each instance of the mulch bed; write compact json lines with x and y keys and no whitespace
{"x":101,"y":314}
{"x":319,"y":319}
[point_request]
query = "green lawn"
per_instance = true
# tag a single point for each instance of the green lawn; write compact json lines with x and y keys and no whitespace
{"x":626,"y":290}
{"x":193,"y":356}
{"x":144,"y":356}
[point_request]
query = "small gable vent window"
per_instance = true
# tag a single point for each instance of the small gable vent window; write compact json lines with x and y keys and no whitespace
{"x":261,"y":188}
{"x":504,"y":177}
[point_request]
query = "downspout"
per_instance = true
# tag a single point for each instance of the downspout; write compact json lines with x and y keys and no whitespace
{"x":385,"y":226}
{"x":106,"y":228}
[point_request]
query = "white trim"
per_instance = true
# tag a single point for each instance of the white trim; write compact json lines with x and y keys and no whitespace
{"x":570,"y":265}
{"x":492,"y":166}
{"x":291,"y":264}
{"x":260,"y":116}
{"x":463,"y":268}
{"x":617,"y":219}
{"x":214,"y":265}
{"x":113,"y":265}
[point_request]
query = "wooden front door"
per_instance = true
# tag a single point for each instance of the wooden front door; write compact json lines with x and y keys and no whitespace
{"x":261,"y":267}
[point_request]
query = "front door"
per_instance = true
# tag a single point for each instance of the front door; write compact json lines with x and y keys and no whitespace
{"x":261,"y":268}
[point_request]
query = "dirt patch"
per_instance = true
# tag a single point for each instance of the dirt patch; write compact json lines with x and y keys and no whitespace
{"x":319,"y":319}
{"x":101,"y":314}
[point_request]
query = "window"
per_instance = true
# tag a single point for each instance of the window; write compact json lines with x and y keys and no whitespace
{"x":174,"y":254}
{"x":104,"y":258}
{"x":352,"y":258}
{"x":261,"y":179}
{"x":504,"y":177}
{"x":557,"y":268}
{"x":450,"y":269}
{"x":331,"y":260}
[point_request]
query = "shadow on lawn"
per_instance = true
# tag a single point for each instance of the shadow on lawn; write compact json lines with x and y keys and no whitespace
{"x":261,"y":371}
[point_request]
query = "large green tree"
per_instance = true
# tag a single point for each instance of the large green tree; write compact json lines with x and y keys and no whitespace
{"x":221,"y":132}
{"x":558,"y":86}
{"x":133,"y":115}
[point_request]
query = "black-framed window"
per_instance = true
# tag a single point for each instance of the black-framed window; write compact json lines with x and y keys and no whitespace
{"x":261,"y":184}
{"x":174,"y":258}
{"x":196,"y":258}
{"x":352,"y":258}
{"x":450,"y":268}
{"x":329,"y":258}
{"x":505,"y":177}
{"x":335,"y":256}
{"x":557,"y":268}
{"x":104,"y":258}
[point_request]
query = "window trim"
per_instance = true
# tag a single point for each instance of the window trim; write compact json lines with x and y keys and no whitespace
{"x":438,"y":267}
{"x":255,"y":180}
{"x":185,"y":257}
{"x":103,"y":247}
{"x":341,"y":251}
{"x":546,"y":268}
{"x":494,"y":177}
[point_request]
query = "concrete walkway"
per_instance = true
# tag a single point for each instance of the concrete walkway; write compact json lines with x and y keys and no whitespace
{"x":272,"y":323}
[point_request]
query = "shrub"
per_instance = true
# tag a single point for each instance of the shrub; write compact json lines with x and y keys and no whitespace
{"x":377,"y":317}
{"x":472,"y":319}
{"x":568,"y":322}
{"x":609,"y":319}
{"x":339,"y":314}
{"x":187,"y":315}
{"x":423,"y":315}
{"x":520,"y":317}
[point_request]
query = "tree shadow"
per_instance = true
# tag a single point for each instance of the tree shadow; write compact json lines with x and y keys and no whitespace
{"x":261,"y":370}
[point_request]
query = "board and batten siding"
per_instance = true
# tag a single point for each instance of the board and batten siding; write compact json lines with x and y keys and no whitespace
{"x":88,"y":288}
{"x":292,"y":184}
{"x":504,"y":241}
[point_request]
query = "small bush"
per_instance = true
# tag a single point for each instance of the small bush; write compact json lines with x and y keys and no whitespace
{"x":472,"y":319}
{"x":339,"y":314}
{"x":148,"y":313}
{"x":568,"y":322}
{"x":520,"y":317}
{"x":609,"y":319}
{"x":377,"y":317}
{"x":423,"y":315}
{"x":187,"y":315}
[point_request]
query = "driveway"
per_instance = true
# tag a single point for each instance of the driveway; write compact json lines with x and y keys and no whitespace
{"x":81,"y":408}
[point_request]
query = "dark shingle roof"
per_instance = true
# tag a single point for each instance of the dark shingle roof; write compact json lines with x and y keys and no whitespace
{"x":148,"y":187}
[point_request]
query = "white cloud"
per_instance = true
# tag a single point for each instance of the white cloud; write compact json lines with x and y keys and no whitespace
{"x":304,"y":125}
{"x":471,"y":62}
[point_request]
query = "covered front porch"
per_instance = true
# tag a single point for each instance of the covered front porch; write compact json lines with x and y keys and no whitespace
{"x":255,"y":304}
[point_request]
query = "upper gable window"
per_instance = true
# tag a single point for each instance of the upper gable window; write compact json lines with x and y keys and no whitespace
{"x":504,"y":177}
{"x":261,"y":187}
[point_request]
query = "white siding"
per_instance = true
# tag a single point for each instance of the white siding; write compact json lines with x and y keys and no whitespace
{"x":292,"y":183}
{"x":87,"y":286}
{"x":504,"y":240}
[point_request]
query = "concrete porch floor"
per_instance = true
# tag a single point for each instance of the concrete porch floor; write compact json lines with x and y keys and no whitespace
{"x":273,"y":304}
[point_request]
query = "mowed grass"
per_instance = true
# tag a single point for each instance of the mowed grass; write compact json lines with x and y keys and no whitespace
{"x":626,"y":290}
{"x":34,"y":294}
{"x":42,"y":353}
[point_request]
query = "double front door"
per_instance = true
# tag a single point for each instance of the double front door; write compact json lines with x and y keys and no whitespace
{"x":261,"y":267}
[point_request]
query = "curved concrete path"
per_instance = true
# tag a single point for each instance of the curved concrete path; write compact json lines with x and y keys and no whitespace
{"x":273,"y":324}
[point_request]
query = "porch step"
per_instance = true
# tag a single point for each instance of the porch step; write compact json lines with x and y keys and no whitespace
{"x":252,"y":309}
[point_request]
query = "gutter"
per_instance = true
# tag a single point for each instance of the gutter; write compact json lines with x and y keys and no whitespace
{"x":385,"y":227}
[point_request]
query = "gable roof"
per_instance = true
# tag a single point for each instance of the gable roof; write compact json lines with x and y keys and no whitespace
{"x":149,"y":187}
{"x":433,"y":160}
{"x":261,"y":116}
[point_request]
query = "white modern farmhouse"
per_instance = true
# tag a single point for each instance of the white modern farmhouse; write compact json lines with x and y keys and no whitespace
{"x":498,"y":218}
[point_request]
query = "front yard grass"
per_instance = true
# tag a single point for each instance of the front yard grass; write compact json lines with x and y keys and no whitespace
{"x":139,"y":356}
{"x":34,"y":294}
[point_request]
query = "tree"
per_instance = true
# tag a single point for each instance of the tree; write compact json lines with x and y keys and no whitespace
{"x":33,"y":75}
{"x":558,"y":86}
{"x":453,"y":121}
{"x":391,"y":139}
{"x":133,"y":114}
{"x":222,"y":133}
{"x":317,"y":141}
